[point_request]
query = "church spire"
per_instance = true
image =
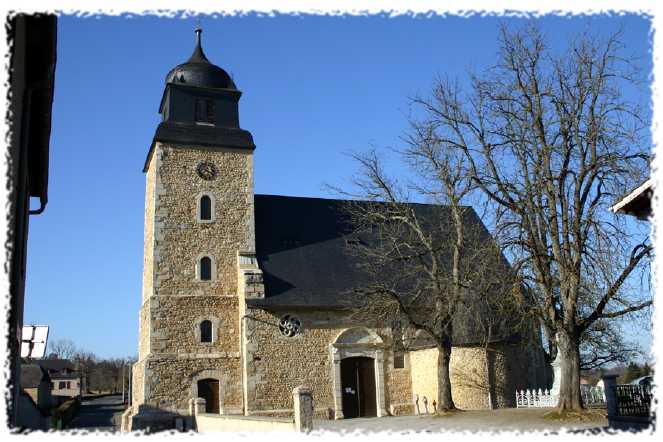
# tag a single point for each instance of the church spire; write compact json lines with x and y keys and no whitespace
{"x":198,"y":55}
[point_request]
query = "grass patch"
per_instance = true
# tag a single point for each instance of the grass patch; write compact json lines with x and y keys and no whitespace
{"x":575,"y":415}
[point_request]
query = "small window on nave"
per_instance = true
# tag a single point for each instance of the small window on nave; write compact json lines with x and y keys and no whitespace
{"x":205,"y":268}
{"x":205,"y":208}
{"x":206,"y":331}
{"x":399,"y":360}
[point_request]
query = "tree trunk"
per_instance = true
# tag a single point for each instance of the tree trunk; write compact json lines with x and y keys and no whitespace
{"x":444,"y":399}
{"x":569,"y":393}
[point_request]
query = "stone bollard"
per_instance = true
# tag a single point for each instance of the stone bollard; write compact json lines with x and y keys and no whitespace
{"x":199,"y":405}
{"x":303,"y":403}
{"x":609,"y":382}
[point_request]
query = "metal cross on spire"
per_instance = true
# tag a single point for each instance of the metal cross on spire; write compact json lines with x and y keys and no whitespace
{"x":198,"y":30}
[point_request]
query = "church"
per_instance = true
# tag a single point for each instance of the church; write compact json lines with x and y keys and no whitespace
{"x":241,"y":298}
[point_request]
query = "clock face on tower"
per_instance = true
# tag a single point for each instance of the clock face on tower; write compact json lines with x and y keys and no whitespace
{"x":206,"y":170}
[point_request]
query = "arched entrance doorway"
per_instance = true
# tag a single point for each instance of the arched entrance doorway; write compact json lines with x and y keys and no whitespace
{"x":358,"y":387}
{"x":208,"y":389}
{"x":357,"y":357}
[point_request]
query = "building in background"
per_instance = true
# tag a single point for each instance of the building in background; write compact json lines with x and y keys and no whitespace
{"x":638,"y":202}
{"x":66,"y":381}
{"x":31,"y":77}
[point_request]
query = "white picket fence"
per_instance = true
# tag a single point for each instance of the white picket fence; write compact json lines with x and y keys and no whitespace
{"x":535,"y":399}
{"x":592,"y":396}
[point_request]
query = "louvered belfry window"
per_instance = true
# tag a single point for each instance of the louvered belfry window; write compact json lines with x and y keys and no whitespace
{"x":210,"y":111}
{"x":205,"y":111}
{"x":199,"y":110}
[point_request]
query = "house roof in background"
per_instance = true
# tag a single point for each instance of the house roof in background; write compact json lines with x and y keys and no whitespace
{"x":637,"y":202}
{"x":55,"y":365}
{"x":60,"y":376}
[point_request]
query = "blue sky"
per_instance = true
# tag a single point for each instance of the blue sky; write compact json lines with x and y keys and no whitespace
{"x":313,"y":88}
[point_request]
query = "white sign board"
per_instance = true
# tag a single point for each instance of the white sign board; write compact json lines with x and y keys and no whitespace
{"x":33,"y":341}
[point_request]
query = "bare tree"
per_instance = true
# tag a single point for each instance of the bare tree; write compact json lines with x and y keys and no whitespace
{"x":551,"y":141}
{"x":423,"y":263}
{"x":603,"y":343}
{"x":84,"y":362}
{"x":62,"y":348}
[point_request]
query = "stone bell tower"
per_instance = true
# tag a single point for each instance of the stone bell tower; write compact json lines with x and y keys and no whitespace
{"x":198,"y":219}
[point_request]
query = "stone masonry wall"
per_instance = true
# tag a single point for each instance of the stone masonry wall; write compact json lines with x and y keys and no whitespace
{"x":171,"y":381}
{"x":276,"y":364}
{"x":469,"y":381}
{"x":398,"y":386}
{"x":144,"y":331}
{"x":175,"y":300}
{"x":148,"y":241}
{"x":184,"y":239}
{"x":176,"y":322}
{"x":423,"y":366}
{"x":468,"y":377}
{"x":138,"y":384}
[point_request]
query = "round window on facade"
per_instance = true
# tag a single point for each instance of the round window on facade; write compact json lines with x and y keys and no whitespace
{"x":290,"y":326}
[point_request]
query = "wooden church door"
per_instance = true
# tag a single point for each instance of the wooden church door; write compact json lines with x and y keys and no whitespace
{"x":358,"y":387}
{"x":208,"y":389}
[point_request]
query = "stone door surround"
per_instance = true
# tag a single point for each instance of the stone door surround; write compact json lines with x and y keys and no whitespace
{"x":353,"y":342}
{"x":208,"y":374}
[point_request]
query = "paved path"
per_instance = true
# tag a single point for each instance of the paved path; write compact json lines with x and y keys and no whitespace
{"x":100,"y":413}
{"x":510,"y":419}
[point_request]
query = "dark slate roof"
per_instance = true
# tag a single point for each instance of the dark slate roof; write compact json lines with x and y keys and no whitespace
{"x":55,"y":365}
{"x":302,"y":249}
{"x":32,"y":375}
{"x":59,"y":376}
{"x":214,"y":137}
{"x":191,"y":134}
{"x":199,"y":72}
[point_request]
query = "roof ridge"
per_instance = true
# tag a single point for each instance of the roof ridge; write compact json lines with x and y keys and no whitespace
{"x":351,"y":200}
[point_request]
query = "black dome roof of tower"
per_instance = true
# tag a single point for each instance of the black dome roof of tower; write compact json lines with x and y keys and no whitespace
{"x":199,"y":71}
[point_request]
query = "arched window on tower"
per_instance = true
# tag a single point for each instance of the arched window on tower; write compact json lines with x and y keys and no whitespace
{"x":206,"y":331}
{"x":205,"y":268}
{"x":205,"y":208}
